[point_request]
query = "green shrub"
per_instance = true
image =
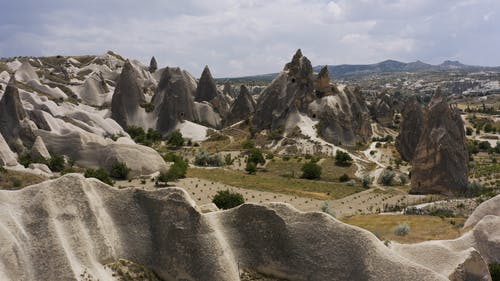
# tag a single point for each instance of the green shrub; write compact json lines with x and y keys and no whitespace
{"x":56,"y":163}
{"x":177,"y":171}
{"x":325,"y":208}
{"x":402,"y":229}
{"x":175,"y":139}
{"x":344,"y":178}
{"x":99,"y":174}
{"x":311,"y":171}
{"x":366,"y":181}
{"x":248,"y":144}
{"x":17,"y":182}
{"x":495,"y":271}
{"x":251,"y":168}
{"x":119,"y":170}
{"x":468,"y":131}
{"x":225,"y":199}
{"x":342,"y":158}
{"x":256,"y":157}
{"x":228,"y":160}
{"x":206,"y":159}
{"x":387,"y":177}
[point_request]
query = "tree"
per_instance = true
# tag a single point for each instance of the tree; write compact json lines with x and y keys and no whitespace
{"x":344,"y":178}
{"x":311,"y":171}
{"x":177,"y":171}
{"x":225,"y":199}
{"x":99,"y":174}
{"x":342,"y":158}
{"x":251,"y":168}
{"x":119,"y":171}
{"x":56,"y":163}
{"x":256,"y":157}
{"x":468,"y":131}
{"x":248,"y":144}
{"x":176,"y":139}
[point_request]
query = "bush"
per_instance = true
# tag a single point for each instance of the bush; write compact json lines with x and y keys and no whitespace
{"x":251,"y":168}
{"x":177,"y":171}
{"x":484,"y":145}
{"x":468,"y":131}
{"x":495,"y":271}
{"x":366,"y":181}
{"x":256,"y":157}
{"x":403,"y":179}
{"x":206,"y":159}
{"x":387,"y":177}
{"x":119,"y":171}
{"x":228,"y":159}
{"x":342,"y":158}
{"x":325,"y":208}
{"x":402,"y":229}
{"x":473,"y":189}
{"x":311,"y":171}
{"x":175,"y":139}
{"x":56,"y":163}
{"x":344,"y":178}
{"x":225,"y":199}
{"x":99,"y":174}
{"x":248,"y":144}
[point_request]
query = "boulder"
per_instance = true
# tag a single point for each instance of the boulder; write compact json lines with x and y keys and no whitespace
{"x":411,"y":129}
{"x":440,"y":162}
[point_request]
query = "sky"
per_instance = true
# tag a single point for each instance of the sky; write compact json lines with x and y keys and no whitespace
{"x":237,"y":38}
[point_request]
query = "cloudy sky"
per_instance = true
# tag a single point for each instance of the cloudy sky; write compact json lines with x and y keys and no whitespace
{"x":255,"y":36}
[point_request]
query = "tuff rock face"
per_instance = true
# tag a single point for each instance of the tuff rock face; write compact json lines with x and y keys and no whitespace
{"x":411,"y":129}
{"x":14,"y":124}
{"x":93,"y":91}
{"x":342,"y":113}
{"x":228,"y":90}
{"x":174,"y":99}
{"x":39,"y":150}
{"x":383,"y":110}
{"x":242,"y":108}
{"x":206,"y":90}
{"x":440,"y":161}
{"x":7,"y":157}
{"x":65,"y":228}
{"x":153,"y":65}
{"x":128,"y":97}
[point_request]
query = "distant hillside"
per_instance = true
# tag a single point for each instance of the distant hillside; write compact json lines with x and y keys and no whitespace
{"x":346,"y":71}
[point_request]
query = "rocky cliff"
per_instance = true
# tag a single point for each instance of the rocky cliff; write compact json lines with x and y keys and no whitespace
{"x":410,"y":130}
{"x":440,"y":162}
{"x":68,"y":228}
{"x":341,"y":111}
{"x":242,"y":108}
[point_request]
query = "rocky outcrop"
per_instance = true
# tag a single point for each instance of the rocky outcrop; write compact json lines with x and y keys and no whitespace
{"x":341,"y":111}
{"x":94,"y":90}
{"x":440,"y":162}
{"x":7,"y":157}
{"x":69,"y":227}
{"x":14,"y":125}
{"x":242,"y":108}
{"x":153,"y":65}
{"x":128,"y":97}
{"x":174,"y":99}
{"x":39,"y":150}
{"x":489,"y":207}
{"x":228,"y":90}
{"x":383,"y":110}
{"x":292,"y":90}
{"x":410,"y":130}
{"x":206,"y":90}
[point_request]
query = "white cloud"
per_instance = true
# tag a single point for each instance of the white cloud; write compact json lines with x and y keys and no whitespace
{"x":243,"y":37}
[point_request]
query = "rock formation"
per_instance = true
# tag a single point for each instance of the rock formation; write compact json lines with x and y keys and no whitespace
{"x":383,"y":110}
{"x":490,"y":207}
{"x":242,"y":108}
{"x":342,"y":114}
{"x":153,"y":65}
{"x":94,"y":90}
{"x":228,"y":90}
{"x":7,"y":157}
{"x":440,"y":162}
{"x":174,"y":99}
{"x":206,"y":90}
{"x":70,"y":227}
{"x":127,"y":98}
{"x":39,"y":150}
{"x":410,"y":129}
{"x":14,"y":124}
